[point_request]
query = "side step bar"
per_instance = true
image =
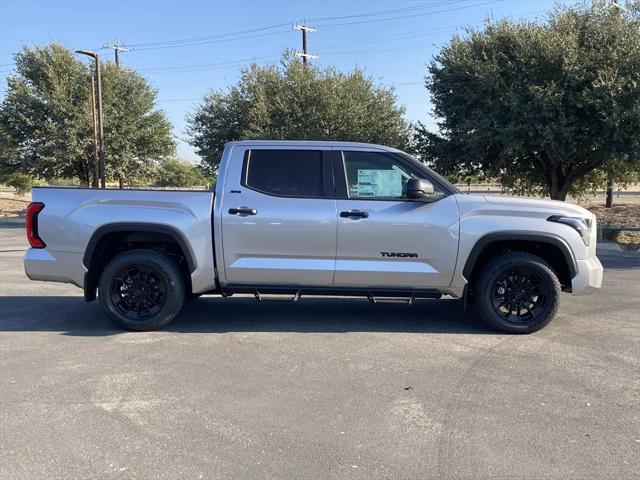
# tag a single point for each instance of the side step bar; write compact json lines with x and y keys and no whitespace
{"x":397,"y":300}
{"x":264,"y":293}
{"x":277,"y":297}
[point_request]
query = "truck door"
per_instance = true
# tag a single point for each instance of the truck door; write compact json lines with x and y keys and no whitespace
{"x":385,"y":239}
{"x":279,"y":217}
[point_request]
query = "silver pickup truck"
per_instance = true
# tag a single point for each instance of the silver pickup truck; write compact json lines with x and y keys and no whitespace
{"x":290,"y":219}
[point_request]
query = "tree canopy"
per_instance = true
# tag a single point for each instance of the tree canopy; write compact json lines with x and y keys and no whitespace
{"x":173,"y":172}
{"x":293,"y":101}
{"x":46,"y":127}
{"x":538,"y":106}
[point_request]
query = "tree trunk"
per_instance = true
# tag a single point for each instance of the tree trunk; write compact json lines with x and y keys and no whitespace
{"x":120,"y":183}
{"x":83,"y":175}
{"x":559,"y":188}
{"x":609,"y":201}
{"x":558,"y":194}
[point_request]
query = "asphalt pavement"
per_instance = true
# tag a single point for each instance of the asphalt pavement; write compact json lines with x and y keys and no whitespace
{"x":320,"y":389}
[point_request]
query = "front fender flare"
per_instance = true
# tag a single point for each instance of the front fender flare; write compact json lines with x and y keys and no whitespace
{"x":511,"y":235}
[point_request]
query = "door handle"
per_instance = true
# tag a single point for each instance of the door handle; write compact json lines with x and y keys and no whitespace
{"x":354,"y":214}
{"x":243,"y":211}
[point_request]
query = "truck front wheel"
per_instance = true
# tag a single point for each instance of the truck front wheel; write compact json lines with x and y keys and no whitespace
{"x":517,"y":292}
{"x":141,"y":290}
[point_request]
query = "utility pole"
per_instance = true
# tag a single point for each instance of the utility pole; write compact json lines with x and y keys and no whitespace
{"x":304,"y":29}
{"x":117,"y":48}
{"x":96,"y":156}
{"x":98,"y":103}
{"x":608,"y":203}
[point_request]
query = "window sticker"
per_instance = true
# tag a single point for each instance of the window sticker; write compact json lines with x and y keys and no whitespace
{"x":379,"y":183}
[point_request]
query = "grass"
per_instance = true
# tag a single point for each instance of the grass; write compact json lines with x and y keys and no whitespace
{"x":12,"y":204}
{"x":622,"y":215}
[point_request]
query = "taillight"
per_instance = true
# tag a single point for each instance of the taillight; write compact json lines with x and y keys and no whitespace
{"x":33,"y":209}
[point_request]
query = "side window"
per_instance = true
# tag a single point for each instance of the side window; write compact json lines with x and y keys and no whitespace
{"x":291,"y":173}
{"x":375,"y":175}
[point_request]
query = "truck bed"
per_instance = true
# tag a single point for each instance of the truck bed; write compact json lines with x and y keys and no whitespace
{"x":72,"y":217}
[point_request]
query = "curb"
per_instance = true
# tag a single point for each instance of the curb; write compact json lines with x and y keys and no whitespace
{"x":12,"y":221}
{"x":609,"y":247}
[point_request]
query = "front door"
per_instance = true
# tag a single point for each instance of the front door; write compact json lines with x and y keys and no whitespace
{"x":385,"y":239}
{"x":279,"y":220}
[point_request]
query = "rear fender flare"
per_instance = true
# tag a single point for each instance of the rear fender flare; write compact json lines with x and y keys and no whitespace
{"x":89,"y":260}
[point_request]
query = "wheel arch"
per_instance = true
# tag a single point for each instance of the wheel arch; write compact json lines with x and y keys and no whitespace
{"x":550,"y":247}
{"x":105,"y":238}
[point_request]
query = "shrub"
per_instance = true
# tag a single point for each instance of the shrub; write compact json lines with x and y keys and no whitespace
{"x":21,"y":182}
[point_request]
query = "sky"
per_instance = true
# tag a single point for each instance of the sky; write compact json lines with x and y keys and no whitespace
{"x":187,"y":48}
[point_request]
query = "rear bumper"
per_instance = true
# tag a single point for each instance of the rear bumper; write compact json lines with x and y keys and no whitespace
{"x":49,"y":266}
{"x":588,"y":278}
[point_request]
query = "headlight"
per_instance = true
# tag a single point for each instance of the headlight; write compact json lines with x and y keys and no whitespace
{"x":579,"y":224}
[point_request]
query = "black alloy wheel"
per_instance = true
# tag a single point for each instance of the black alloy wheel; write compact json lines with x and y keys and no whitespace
{"x":138,"y":292}
{"x":517,"y":292}
{"x":141,"y":290}
{"x":519,"y":295}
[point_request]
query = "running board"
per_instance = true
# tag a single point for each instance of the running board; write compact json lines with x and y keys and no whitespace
{"x":397,"y":300}
{"x":283,"y":293}
{"x":277,"y":297}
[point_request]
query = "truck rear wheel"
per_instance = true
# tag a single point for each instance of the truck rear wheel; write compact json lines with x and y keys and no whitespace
{"x":517,"y":292}
{"x":141,"y":290}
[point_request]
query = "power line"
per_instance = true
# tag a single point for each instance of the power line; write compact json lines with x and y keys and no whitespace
{"x":209,"y":39}
{"x":396,"y":36}
{"x":242,"y":33}
{"x":330,"y":48}
{"x":166,"y":100}
{"x":252,"y":33}
{"x":207,"y":66}
{"x":385,"y":12}
{"x":179,"y":138}
{"x":446,"y":10}
{"x":384,"y":39}
{"x":418,"y":33}
{"x":209,"y":42}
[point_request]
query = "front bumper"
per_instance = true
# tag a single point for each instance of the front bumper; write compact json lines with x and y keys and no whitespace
{"x":588,"y":278}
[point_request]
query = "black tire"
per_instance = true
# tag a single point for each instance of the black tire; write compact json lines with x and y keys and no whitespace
{"x":517,"y":292}
{"x":141,"y":290}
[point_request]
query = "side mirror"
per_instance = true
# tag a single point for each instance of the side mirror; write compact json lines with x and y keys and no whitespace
{"x":420,"y":189}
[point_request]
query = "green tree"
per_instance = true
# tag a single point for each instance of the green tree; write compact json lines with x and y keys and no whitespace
{"x":539,"y":106}
{"x":625,"y":173}
{"x":137,"y":136}
{"x":173,"y":172}
{"x":45,"y":115}
{"x":291,"y":101}
{"x":46,"y":119}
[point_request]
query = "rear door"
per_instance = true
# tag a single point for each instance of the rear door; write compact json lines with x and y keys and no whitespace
{"x":279,"y":217}
{"x":385,"y":239}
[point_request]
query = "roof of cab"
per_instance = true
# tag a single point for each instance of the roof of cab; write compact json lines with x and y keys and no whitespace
{"x":311,"y":143}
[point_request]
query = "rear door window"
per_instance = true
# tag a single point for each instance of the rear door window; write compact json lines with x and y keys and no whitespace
{"x":287,"y":173}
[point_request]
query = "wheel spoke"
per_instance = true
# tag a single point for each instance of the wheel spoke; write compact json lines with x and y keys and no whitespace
{"x":520,"y":294}
{"x":138,"y":292}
